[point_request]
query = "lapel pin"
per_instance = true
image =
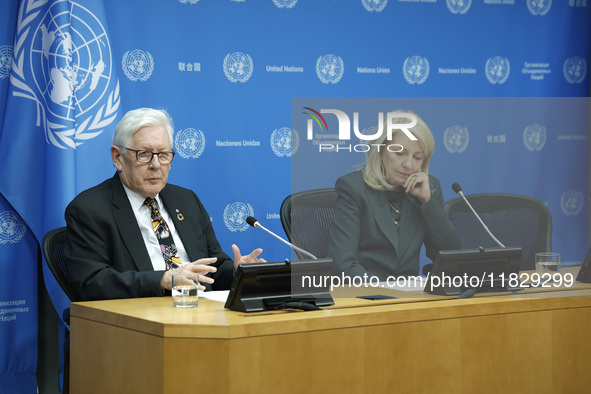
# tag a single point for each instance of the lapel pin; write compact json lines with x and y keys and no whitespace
{"x":179,"y":215}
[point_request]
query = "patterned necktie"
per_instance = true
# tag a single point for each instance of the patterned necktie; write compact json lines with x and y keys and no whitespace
{"x":167,"y":246}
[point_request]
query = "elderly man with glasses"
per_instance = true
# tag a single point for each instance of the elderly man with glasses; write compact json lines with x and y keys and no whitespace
{"x":128,"y":235}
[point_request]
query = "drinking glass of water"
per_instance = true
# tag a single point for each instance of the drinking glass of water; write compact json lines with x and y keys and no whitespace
{"x":184,"y":290}
{"x":547,"y":263}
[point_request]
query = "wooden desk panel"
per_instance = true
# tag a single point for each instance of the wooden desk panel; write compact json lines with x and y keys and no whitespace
{"x":485,"y":344}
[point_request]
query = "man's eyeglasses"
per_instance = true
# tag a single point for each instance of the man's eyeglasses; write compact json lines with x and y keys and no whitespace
{"x":145,"y":156}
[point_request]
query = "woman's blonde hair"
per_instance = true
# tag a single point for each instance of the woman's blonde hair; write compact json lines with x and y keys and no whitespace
{"x":374,"y":173}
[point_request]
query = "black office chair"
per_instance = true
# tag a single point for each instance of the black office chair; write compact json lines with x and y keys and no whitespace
{"x":306,"y":218}
{"x":53,"y":250}
{"x":515,"y":220}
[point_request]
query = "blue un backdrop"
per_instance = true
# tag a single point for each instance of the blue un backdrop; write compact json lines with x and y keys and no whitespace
{"x":504,"y":86}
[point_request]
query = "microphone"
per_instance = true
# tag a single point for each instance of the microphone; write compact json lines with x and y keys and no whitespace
{"x":255,"y":223}
{"x":458,"y":189}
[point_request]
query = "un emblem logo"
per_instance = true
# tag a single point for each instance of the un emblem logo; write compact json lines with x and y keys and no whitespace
{"x":456,"y":138}
{"x":62,"y":61}
{"x":575,"y":69}
{"x":189,"y":143}
{"x":285,"y":3}
{"x":12,"y":228}
{"x":235,"y":216}
{"x":459,"y":6}
{"x":238,"y":67}
{"x":137,"y":65}
{"x":5,"y":60}
{"x":415,"y":69}
{"x":374,"y":5}
{"x":534,"y":137}
{"x":285,"y":142}
{"x":188,"y":1}
{"x":330,"y":68}
{"x":571,"y":202}
{"x":497,"y":70}
{"x":539,"y":7}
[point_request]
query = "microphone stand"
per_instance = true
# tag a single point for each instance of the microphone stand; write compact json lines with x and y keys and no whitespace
{"x":456,"y":187}
{"x":257,"y":224}
{"x":461,"y":193}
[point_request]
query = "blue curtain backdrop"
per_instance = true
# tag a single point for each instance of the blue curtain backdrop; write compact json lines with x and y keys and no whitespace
{"x":227,"y":71}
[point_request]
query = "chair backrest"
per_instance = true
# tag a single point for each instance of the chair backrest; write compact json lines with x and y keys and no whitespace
{"x":515,"y":220}
{"x":53,"y":250}
{"x":306,"y":218}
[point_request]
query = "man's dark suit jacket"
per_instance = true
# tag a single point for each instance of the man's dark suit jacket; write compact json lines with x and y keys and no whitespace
{"x":106,"y":257}
{"x":365,"y":240}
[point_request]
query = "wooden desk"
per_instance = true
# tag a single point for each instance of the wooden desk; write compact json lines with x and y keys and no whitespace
{"x":529,"y":343}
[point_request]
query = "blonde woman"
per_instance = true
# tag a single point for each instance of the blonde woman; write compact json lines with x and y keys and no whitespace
{"x":385,"y":212}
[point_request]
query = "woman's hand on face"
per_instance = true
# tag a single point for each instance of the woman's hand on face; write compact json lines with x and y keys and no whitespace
{"x":417,"y":185}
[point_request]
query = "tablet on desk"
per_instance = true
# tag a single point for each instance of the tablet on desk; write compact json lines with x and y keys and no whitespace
{"x":585,"y":271}
{"x":483,"y":269}
{"x":267,"y":286}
